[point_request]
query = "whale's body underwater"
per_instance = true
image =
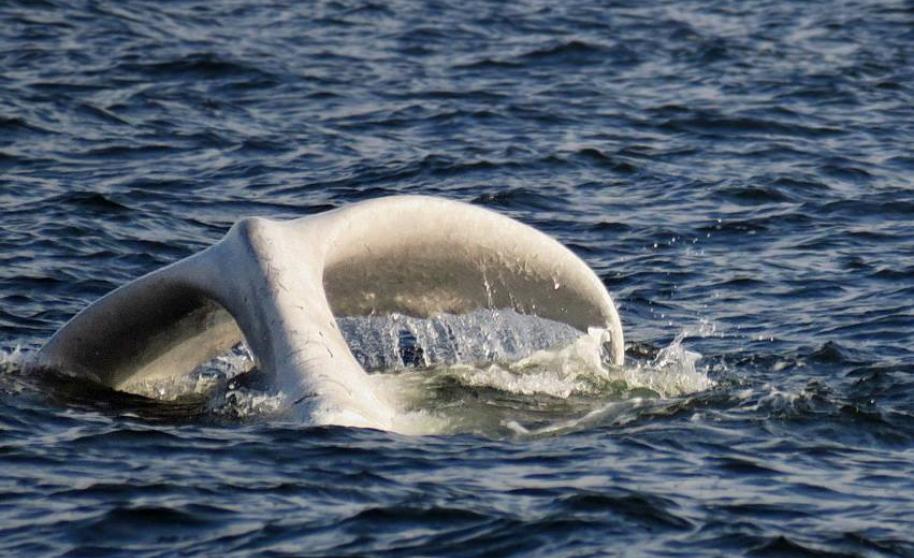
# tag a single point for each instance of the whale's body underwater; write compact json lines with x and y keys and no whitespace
{"x":279,"y":286}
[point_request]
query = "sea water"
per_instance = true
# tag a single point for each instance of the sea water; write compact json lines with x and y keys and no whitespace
{"x":737,"y":174}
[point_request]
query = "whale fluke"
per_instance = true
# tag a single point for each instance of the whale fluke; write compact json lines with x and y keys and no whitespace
{"x":278,"y":285}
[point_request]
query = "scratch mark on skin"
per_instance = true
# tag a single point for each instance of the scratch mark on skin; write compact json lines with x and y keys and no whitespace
{"x":272,"y":273}
{"x":307,"y":360}
{"x":337,"y":382}
{"x":297,"y":351}
{"x":306,"y":395}
{"x":294,"y":353}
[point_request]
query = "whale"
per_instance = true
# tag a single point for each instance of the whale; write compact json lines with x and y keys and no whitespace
{"x":279,"y":286}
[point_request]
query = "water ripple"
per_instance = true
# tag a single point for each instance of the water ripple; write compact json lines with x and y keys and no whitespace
{"x":737,"y":175}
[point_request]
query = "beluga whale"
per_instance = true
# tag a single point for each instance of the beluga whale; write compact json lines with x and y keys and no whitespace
{"x":279,"y":287}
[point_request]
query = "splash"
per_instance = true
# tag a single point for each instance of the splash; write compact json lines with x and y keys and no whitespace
{"x":547,"y":391}
{"x":581,"y":368}
{"x":626,"y":392}
{"x":208,"y":378}
{"x":490,"y":372}
{"x":13,"y":361}
{"x":14,"y":358}
{"x":673,"y":372}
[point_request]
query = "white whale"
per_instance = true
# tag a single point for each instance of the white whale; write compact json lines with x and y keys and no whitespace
{"x":278,"y":285}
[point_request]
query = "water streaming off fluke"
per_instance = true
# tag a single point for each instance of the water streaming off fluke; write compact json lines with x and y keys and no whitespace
{"x":487,"y":372}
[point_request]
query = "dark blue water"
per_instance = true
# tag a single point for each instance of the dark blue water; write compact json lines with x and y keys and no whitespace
{"x":740,"y":173}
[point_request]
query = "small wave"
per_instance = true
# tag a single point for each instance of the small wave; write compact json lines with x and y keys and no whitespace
{"x":713,"y":123}
{"x":518,"y":198}
{"x":12,"y":125}
{"x":205,"y":65}
{"x":90,"y":201}
{"x":576,"y":52}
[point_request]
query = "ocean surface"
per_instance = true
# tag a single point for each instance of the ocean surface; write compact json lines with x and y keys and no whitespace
{"x":740,"y":175}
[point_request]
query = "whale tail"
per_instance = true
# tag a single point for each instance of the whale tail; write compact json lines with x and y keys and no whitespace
{"x":279,"y":286}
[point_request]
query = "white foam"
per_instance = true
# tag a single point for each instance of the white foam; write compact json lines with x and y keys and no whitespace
{"x":15,"y":358}
{"x":582,"y":389}
{"x":671,"y":373}
{"x":580,"y":369}
{"x":14,"y":362}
